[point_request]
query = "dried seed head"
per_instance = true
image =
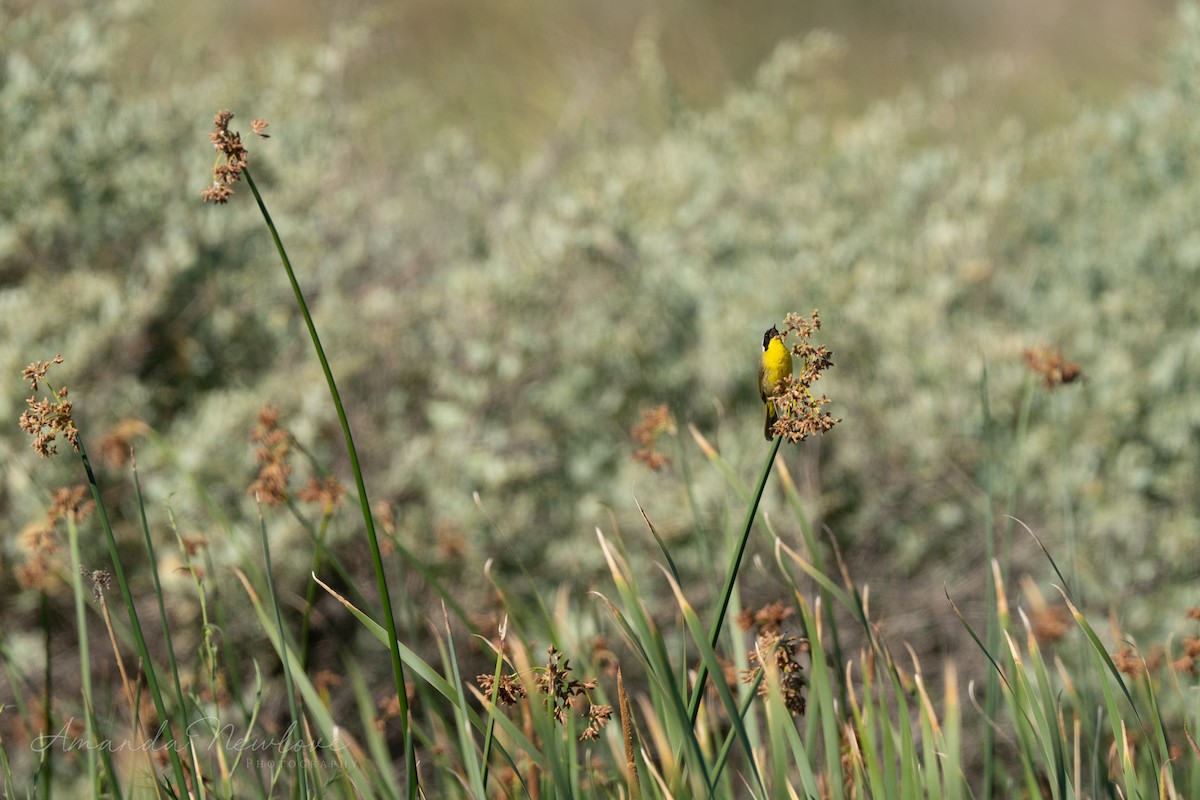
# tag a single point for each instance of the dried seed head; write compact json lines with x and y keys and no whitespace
{"x":800,"y":414}
{"x":1052,"y":367}
{"x":229,"y":144}
{"x":47,"y":418}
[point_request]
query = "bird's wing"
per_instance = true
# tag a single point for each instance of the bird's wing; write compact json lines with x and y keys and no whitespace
{"x":762,"y":392}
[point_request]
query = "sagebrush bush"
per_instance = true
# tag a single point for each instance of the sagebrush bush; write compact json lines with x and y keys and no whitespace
{"x":500,"y":330}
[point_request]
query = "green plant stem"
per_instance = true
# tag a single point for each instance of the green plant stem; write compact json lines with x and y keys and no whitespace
{"x":47,"y":763}
{"x":731,"y":577}
{"x":168,"y":644}
{"x":293,"y":707}
{"x":991,"y":698}
{"x":135,"y":624}
{"x":85,"y":657}
{"x":385,"y":599}
{"x":310,"y":596}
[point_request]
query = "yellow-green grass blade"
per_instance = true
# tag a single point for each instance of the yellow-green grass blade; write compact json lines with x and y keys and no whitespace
{"x":724,"y":467}
{"x":668,"y":697}
{"x":383,"y":779}
{"x":709,"y":658}
{"x":821,"y":703}
{"x":469,"y":752}
{"x":643,"y":635}
{"x":420,"y":667}
{"x":328,"y":729}
{"x":863,"y":718}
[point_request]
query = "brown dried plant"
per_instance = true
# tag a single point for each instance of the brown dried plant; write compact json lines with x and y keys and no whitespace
{"x":273,"y":446}
{"x":1053,"y":368}
{"x":558,"y":685}
{"x":655,"y":422}
{"x":801,"y":412}
{"x":49,"y":417}
{"x":233,"y":156}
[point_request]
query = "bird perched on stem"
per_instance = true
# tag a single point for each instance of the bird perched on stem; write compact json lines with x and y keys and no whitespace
{"x":775,"y":366}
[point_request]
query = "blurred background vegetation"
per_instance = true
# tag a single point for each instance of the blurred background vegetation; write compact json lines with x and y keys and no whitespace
{"x":520,"y":224}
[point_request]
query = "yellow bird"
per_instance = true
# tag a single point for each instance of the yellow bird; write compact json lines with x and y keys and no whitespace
{"x":776,"y":365}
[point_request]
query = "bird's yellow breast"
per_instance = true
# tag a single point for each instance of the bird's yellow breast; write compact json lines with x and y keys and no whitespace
{"x":776,"y":363}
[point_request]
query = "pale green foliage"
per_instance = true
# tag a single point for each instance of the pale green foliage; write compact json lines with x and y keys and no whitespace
{"x":499,"y":331}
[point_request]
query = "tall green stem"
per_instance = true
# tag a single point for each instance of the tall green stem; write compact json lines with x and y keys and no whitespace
{"x":135,"y":623}
{"x":295,"y":729}
{"x":376,"y":556}
{"x":991,"y":699}
{"x":731,"y":578}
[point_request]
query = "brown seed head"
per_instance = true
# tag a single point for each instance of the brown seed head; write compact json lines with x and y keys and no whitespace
{"x":47,"y":418}
{"x":801,"y":410}
{"x":228,"y":143}
{"x":655,"y":422}
{"x":1054,"y":370}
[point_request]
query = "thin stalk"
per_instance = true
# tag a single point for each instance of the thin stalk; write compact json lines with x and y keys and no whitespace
{"x":731,"y":577}
{"x":1067,"y":506}
{"x":85,"y":657}
{"x":991,"y":699}
{"x":376,"y":555}
{"x":293,"y":708}
{"x":162,"y":606}
{"x":136,"y":625}
{"x":310,"y":596}
{"x":685,"y":474}
{"x":47,"y":754}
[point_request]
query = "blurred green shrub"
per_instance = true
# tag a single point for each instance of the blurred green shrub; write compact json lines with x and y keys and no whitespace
{"x":498,"y":331}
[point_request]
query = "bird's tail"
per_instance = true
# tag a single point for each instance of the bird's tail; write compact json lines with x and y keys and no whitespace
{"x":770,"y":423}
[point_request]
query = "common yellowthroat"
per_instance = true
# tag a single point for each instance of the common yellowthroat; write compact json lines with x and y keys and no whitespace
{"x":776,"y":364}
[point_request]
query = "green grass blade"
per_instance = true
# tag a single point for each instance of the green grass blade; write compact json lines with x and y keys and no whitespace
{"x":381,"y":778}
{"x":821,"y":701}
{"x":152,"y":678}
{"x":364,"y":504}
{"x":285,"y":649}
{"x":709,"y":657}
{"x":81,"y":632}
{"x":731,"y":577}
{"x":468,"y":750}
{"x":301,"y":775}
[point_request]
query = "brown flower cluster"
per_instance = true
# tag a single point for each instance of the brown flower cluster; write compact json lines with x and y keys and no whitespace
{"x":1187,"y":663}
{"x":783,"y":650}
{"x":274,"y":444}
{"x":509,"y":691}
{"x":37,"y":540}
{"x":75,"y":503}
{"x":655,"y":422}
{"x":49,"y":417}
{"x":116,"y":445}
{"x":1052,"y":367}
{"x":559,"y":686}
{"x":327,"y":493}
{"x":768,"y":619}
{"x":38,"y":543}
{"x":801,"y":415}
{"x":229,"y":144}
{"x":101,"y":579}
{"x":1051,"y":623}
{"x":1130,"y":661}
{"x":389,"y":706}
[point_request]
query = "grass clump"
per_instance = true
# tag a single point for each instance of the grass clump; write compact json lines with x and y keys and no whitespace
{"x":550,"y":289}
